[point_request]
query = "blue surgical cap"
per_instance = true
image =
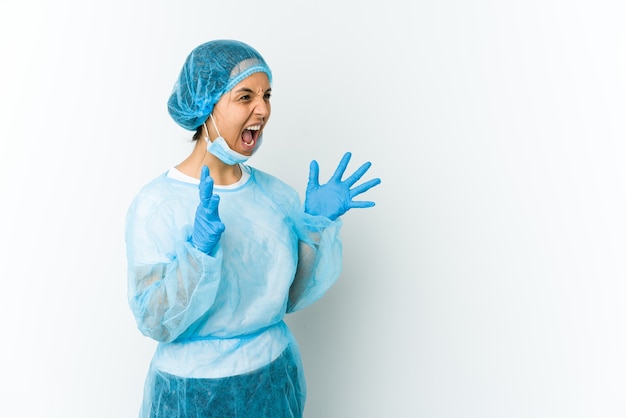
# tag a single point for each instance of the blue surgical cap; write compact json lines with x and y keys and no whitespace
{"x":211,"y":70}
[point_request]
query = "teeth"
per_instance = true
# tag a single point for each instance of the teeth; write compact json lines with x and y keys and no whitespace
{"x":252,"y":128}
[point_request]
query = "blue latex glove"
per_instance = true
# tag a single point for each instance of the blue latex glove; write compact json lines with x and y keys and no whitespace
{"x":207,"y":226}
{"x":334,"y":198}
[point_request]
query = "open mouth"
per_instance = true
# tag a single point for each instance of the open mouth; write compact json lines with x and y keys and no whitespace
{"x":250,"y":136}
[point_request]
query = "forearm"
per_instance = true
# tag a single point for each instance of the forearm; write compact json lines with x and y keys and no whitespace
{"x":319,"y":266}
{"x":168,"y":297}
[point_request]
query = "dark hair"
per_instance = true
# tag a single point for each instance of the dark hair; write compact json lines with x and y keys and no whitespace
{"x":198,"y":133}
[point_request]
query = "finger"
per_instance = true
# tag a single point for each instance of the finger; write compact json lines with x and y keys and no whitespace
{"x":215,"y":223}
{"x":364,"y":187}
{"x":206,"y":191}
{"x":341,"y":168}
{"x":206,"y":188}
{"x":213,"y":204}
{"x":361,"y":204}
{"x":358,"y":174}
{"x":314,"y":174}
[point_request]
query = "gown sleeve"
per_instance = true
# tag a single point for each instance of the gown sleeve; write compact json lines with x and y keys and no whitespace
{"x":319,"y":260}
{"x":171,"y":284}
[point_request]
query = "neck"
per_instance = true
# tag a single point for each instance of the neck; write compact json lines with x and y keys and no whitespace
{"x":222,"y":174}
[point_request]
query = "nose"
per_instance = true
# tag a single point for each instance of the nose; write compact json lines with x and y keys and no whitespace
{"x":262,"y":108}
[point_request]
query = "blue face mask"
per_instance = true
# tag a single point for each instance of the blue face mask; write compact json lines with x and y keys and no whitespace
{"x":221,"y":150}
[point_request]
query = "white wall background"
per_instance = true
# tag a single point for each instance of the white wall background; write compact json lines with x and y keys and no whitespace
{"x":489,"y":280}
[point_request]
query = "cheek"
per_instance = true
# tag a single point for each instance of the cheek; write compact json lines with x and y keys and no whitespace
{"x":232,"y":138}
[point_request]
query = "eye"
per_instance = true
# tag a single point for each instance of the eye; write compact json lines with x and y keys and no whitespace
{"x":267,"y":96}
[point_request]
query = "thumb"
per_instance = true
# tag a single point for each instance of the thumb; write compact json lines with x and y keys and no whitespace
{"x":314,"y":172}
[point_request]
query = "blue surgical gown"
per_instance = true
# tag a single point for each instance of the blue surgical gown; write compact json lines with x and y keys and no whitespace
{"x":223,"y":315}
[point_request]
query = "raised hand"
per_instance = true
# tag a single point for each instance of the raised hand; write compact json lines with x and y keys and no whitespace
{"x":334,"y":198}
{"x":207,"y":226}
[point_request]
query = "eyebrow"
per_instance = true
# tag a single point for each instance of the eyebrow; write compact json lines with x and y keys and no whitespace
{"x":248,"y":90}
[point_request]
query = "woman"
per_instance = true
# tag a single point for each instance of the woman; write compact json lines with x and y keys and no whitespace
{"x":219,"y":252}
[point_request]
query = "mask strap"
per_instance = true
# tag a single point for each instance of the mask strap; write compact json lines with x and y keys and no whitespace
{"x":207,"y":138}
{"x":214,"y":125}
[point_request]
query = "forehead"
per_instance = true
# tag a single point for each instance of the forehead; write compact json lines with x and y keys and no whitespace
{"x":254,"y":82}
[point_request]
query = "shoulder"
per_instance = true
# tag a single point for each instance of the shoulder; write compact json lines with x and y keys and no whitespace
{"x":263,"y":177}
{"x":276,"y":189}
{"x":161,"y":191}
{"x":271,"y":182}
